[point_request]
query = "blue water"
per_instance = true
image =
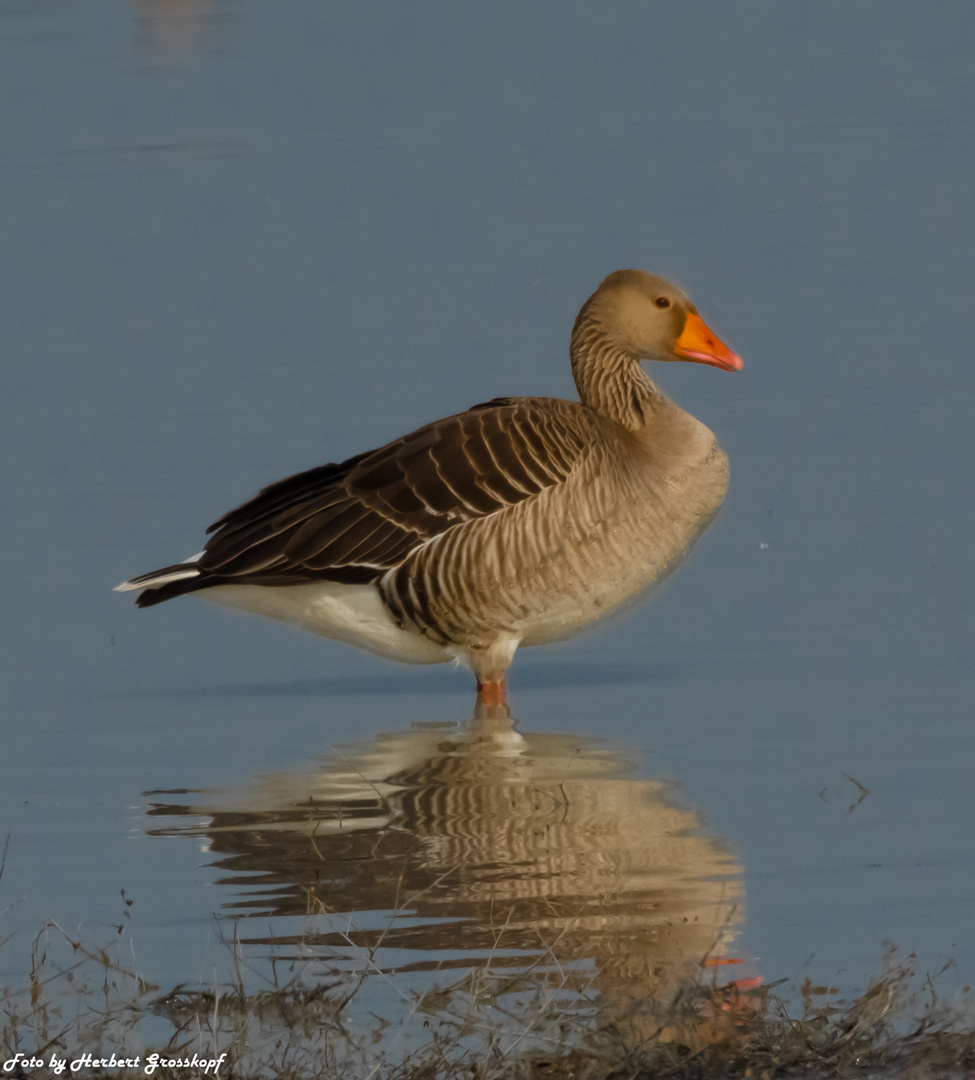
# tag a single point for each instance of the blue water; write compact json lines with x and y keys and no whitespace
{"x":242,"y":239}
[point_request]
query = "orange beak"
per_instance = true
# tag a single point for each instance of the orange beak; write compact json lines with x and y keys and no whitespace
{"x":698,"y":343}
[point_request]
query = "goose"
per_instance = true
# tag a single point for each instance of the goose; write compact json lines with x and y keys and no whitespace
{"x":517,"y":522}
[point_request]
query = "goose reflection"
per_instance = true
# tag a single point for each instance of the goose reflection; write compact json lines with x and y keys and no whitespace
{"x":448,"y":847}
{"x":174,"y":30}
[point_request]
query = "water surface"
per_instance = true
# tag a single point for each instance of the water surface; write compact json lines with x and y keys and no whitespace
{"x":246,"y":238}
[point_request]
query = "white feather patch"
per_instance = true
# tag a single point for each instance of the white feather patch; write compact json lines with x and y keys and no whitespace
{"x":343,"y":612}
{"x":155,"y":582}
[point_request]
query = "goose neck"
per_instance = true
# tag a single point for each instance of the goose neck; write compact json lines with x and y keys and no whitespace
{"x":609,"y":378}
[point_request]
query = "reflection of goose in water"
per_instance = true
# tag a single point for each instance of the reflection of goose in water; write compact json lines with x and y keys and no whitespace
{"x":456,"y":846}
{"x":515,"y":523}
{"x":172,"y":30}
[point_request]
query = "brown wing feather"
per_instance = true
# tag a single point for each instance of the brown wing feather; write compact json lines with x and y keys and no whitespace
{"x":355,"y":520}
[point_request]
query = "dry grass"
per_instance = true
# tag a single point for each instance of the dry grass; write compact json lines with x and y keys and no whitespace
{"x":488,"y":1025}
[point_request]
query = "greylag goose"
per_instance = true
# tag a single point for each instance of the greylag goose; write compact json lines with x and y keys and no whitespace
{"x":517,"y":522}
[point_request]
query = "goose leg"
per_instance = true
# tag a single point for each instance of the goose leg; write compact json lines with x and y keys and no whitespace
{"x":492,"y":691}
{"x":490,"y":665}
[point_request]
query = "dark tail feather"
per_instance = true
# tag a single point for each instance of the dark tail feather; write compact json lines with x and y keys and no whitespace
{"x":148,"y":597}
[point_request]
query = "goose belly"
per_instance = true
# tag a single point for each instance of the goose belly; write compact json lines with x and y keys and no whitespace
{"x":597,"y":582}
{"x":351,"y":613}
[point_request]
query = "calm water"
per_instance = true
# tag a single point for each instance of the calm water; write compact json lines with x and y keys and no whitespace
{"x":242,"y":239}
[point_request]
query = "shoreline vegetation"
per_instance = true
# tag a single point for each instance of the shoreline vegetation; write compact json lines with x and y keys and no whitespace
{"x":84,"y":1005}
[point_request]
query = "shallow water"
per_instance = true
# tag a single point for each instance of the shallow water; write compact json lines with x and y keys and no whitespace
{"x":243,"y":239}
{"x":441,"y":849}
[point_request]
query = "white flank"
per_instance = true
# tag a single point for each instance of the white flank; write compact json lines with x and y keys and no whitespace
{"x":343,"y":612}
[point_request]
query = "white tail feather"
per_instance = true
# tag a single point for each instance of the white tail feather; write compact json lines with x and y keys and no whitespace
{"x":156,"y":582}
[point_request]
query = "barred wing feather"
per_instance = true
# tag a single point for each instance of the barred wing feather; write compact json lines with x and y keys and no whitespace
{"x":354,"y":521}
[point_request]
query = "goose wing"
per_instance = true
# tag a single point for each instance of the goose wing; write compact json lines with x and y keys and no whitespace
{"x":356,"y":520}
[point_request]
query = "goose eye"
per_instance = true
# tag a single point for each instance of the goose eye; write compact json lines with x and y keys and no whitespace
{"x":662,"y":302}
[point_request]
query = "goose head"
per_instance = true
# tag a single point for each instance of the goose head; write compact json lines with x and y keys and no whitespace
{"x":645,"y":317}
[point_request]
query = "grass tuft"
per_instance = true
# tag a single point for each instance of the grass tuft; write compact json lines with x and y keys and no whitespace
{"x":488,"y":1025}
